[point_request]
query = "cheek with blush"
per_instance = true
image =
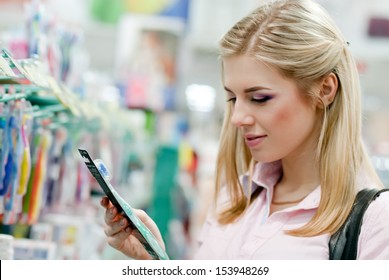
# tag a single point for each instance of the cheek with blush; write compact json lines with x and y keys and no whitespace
{"x":283,"y":116}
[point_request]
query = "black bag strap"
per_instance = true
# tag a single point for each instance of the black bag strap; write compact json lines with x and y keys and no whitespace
{"x":343,"y":244}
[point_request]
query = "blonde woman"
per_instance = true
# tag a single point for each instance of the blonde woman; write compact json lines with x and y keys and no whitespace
{"x":291,"y":157}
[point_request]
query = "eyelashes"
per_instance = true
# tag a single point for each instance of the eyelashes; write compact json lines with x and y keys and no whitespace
{"x":262,"y":99}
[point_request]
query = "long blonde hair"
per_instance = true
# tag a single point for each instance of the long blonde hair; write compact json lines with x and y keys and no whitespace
{"x":299,"y":38}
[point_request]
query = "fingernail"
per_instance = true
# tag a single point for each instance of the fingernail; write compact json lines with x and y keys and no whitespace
{"x":127,"y":229}
{"x":112,"y":211}
{"x":123,"y":222}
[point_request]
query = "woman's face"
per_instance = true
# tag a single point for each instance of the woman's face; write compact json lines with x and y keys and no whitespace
{"x":276,"y":119}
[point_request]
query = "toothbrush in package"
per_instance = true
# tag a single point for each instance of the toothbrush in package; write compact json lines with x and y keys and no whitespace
{"x":100,"y":172}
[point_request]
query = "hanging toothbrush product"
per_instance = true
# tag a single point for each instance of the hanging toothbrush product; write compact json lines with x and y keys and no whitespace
{"x":101,"y":174}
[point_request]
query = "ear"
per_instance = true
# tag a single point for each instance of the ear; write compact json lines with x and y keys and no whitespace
{"x":329,"y":87}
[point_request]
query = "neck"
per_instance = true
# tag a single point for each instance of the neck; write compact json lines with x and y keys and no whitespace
{"x":300,"y":176}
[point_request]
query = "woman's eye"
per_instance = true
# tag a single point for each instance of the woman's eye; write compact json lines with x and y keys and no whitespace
{"x":261,"y":99}
{"x":232,"y":99}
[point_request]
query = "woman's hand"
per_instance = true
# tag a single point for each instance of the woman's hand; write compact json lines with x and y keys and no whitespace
{"x":122,"y":237}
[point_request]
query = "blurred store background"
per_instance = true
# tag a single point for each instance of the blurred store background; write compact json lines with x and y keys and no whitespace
{"x":137,"y":83}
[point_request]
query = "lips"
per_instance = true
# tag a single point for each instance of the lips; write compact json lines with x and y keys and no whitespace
{"x":254,"y":140}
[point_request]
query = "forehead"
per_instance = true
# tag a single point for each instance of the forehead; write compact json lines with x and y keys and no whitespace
{"x":243,"y":70}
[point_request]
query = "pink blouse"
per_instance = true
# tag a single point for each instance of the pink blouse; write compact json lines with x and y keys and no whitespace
{"x":256,"y":235}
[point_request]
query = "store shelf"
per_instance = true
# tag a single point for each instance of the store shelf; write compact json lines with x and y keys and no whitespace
{"x":13,"y":81}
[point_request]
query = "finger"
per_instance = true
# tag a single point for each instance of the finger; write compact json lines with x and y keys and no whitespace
{"x":151,"y":225}
{"x":127,"y":239}
{"x":112,"y":215}
{"x":142,"y":215}
{"x":105,"y":202}
{"x":116,"y":227}
{"x":118,"y":240}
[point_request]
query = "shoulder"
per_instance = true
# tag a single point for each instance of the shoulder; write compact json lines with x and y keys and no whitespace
{"x":374,"y":236}
{"x":379,"y":206}
{"x":377,"y":210}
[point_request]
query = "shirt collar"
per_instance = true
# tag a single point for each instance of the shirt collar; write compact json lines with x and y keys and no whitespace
{"x":266,"y":176}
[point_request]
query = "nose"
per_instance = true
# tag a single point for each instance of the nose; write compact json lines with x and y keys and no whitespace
{"x":241,"y":116}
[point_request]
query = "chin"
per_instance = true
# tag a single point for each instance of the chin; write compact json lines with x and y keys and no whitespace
{"x":265,"y":159}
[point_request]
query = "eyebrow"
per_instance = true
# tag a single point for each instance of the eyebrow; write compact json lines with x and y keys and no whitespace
{"x":248,"y":90}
